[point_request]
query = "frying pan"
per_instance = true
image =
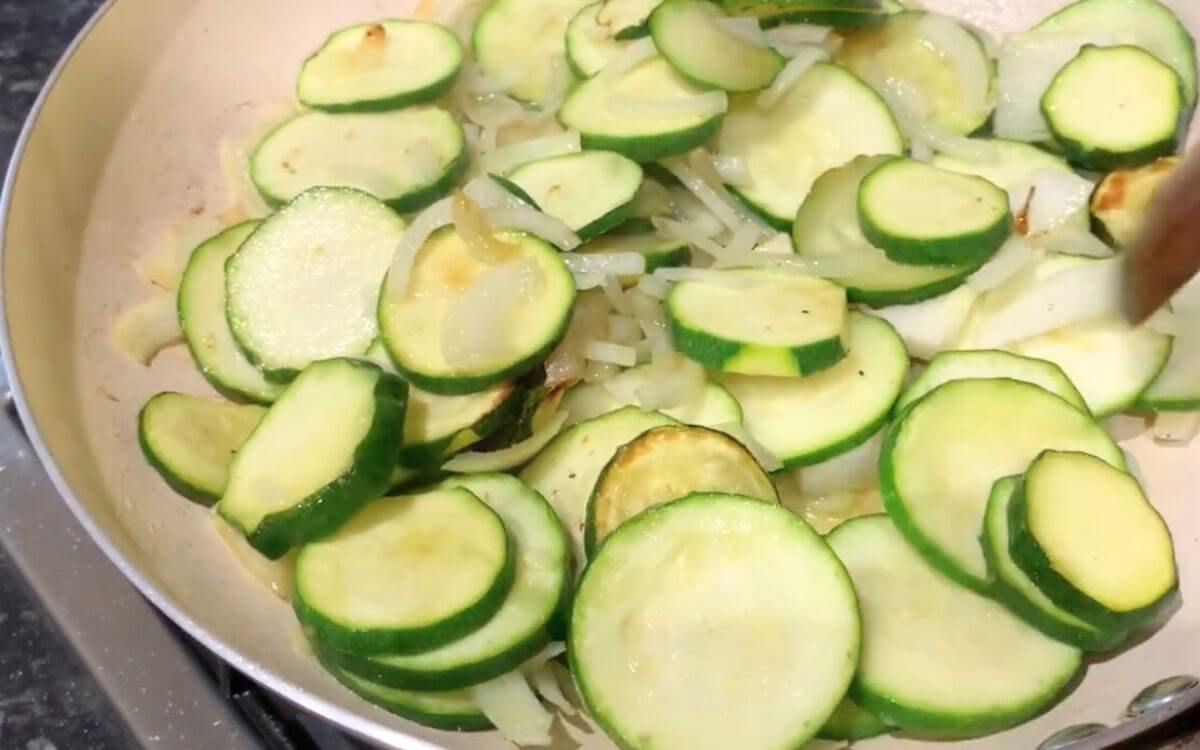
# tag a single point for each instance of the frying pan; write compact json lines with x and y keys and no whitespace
{"x":123,"y":142}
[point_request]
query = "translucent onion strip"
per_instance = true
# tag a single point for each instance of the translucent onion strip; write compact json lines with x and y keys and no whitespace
{"x":634,"y":54}
{"x":1089,"y":290}
{"x":502,"y":159}
{"x":476,"y":232}
{"x":616,"y":263}
{"x":147,"y":328}
{"x":526,"y":218}
{"x":802,"y":59}
{"x":962,"y":51}
{"x":608,"y":352}
{"x":426,"y":223}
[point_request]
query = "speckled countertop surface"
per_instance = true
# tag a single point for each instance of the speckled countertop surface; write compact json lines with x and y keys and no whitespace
{"x":47,"y":699}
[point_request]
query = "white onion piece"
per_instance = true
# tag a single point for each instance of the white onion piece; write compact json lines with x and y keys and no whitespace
{"x":475,"y":81}
{"x":802,"y":59}
{"x":856,"y":469}
{"x":746,"y":29}
{"x":476,"y":232}
{"x":478,"y":325}
{"x":545,"y":683}
{"x":529,"y":219}
{"x":585,"y":281}
{"x":650,"y":316}
{"x":1074,"y":240}
{"x":489,"y":111}
{"x":487,"y":193}
{"x":653,"y":286}
{"x":700,"y":177}
{"x":921,"y":151}
{"x":912,"y":109}
{"x":678,"y":382}
{"x":930,"y":326}
{"x":1026,"y":65}
{"x":688,"y":232}
{"x":623,"y":329}
{"x":652,"y":199}
{"x":699,"y":105}
{"x":739,"y":246}
{"x":768,"y":460}
{"x":711,"y":276}
{"x":615,"y":263}
{"x":798,"y":33}
{"x":597,"y":372}
{"x":505,"y":158}
{"x":688,"y":209}
{"x":610,"y":353}
{"x":1089,"y":290}
{"x":733,"y":170}
{"x":426,"y":223}
{"x":616,"y":295}
{"x":1176,"y":427}
{"x":1056,"y":197}
{"x":147,"y":328}
{"x":962,"y":51}
{"x":778,"y":243}
{"x":510,"y":704}
{"x":511,"y":457}
{"x":634,"y":54}
{"x":1016,"y":253}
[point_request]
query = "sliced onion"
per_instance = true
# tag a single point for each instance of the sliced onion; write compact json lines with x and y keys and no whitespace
{"x":478,"y":325}
{"x":739,"y":246}
{"x":677,"y":382}
{"x":489,"y":111}
{"x":624,"y":329}
{"x":912,"y":110}
{"x":611,"y":353}
{"x":652,"y":286}
{"x":1071,"y":239}
{"x":1089,"y":290}
{"x":746,"y":29}
{"x":652,"y":199}
{"x":962,"y":51}
{"x":501,"y":160}
{"x":733,"y":170}
{"x":529,"y":219}
{"x":700,"y":177}
{"x":589,"y":321}
{"x":798,"y":33}
{"x":426,"y":223}
{"x":856,"y":469}
{"x":699,"y":105}
{"x":768,"y":460}
{"x":511,"y":457}
{"x":1026,"y":65}
{"x":511,"y":706}
{"x":487,"y":193}
{"x":147,"y":328}
{"x":635,"y":53}
{"x":1176,"y":427}
{"x":650,"y":316}
{"x":475,"y":81}
{"x":476,"y":232}
{"x":1015,"y":254}
{"x":616,"y":295}
{"x":545,"y":683}
{"x":688,"y":232}
{"x":1056,"y":198}
{"x":803,"y":59}
{"x":597,"y":372}
{"x":585,"y":281}
{"x":711,"y":276}
{"x":688,"y":209}
{"x":611,"y":264}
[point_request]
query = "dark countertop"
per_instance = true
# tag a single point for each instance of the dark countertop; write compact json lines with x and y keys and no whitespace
{"x":48,"y":701}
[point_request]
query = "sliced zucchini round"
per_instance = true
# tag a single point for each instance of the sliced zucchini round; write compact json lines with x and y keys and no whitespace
{"x":648,"y":112}
{"x":769,"y":8}
{"x":436,"y":427}
{"x":1121,"y":569}
{"x":841,"y":406}
{"x":851,"y":722}
{"x":840,"y":18}
{"x":697,"y":582}
{"x":591,"y":191}
{"x":665,"y":464}
{"x":327,"y":446}
{"x":715,"y":408}
{"x":591,"y":44}
{"x":944,"y":63}
{"x":302,"y":286}
{"x":1012,"y":588}
{"x":519,"y":629}
{"x":190,"y":441}
{"x":1119,"y":202}
{"x":451,"y":710}
{"x":780,"y":323}
{"x":687,"y":34}
{"x":626,"y":19}
{"x":824,"y":120}
{"x":1114,"y":107}
{"x":405,"y":574}
{"x":921,"y":215}
{"x":444,"y":271}
{"x":381,"y":65}
{"x":1009,"y":423}
{"x":991,"y":363}
{"x":520,"y":42}
{"x":1177,"y":385}
{"x":201,"y":300}
{"x":827,"y":225}
{"x":938,"y":658}
{"x":407,"y":158}
{"x":566,"y":470}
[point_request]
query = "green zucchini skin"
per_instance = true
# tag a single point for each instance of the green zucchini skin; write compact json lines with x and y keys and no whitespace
{"x":844,"y":19}
{"x":851,"y":722}
{"x":713,"y":351}
{"x":428,"y":456}
{"x":647,"y":148}
{"x":324,"y":511}
{"x":883,"y":298}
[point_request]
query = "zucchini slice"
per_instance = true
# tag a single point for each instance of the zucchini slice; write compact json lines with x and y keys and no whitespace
{"x":407,"y":158}
{"x":591,"y":191}
{"x":1176,"y":387}
{"x":688,"y":35}
{"x":716,"y":407}
{"x":436,"y":427}
{"x":850,"y":722}
{"x":451,"y":710}
{"x":824,"y":120}
{"x":445,"y":276}
{"x":648,"y":112}
{"x":1012,"y":588}
{"x":302,"y":286}
{"x":405,"y":574}
{"x":520,"y":42}
{"x":591,"y":44}
{"x":567,"y":469}
{"x":379,"y":66}
{"x":922,"y":215}
{"x":963,"y":364}
{"x":937,"y":658}
{"x":519,"y":629}
{"x":780,"y":323}
{"x":659,"y":252}
{"x":697,"y":582}
{"x":827,"y":226}
{"x":190,"y":441}
{"x":665,"y":464}
{"x":842,"y":406}
{"x":840,"y":18}
{"x":1119,"y":202}
{"x":1008,"y":422}
{"x":327,"y":446}
{"x":770,"y":8}
{"x":205,"y":327}
{"x":1133,"y":121}
{"x":1121,"y":570}
{"x":626,"y":19}
{"x":944,"y":63}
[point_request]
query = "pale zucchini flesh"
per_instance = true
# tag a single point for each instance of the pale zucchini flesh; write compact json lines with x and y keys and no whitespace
{"x":411,"y":320}
{"x":378,"y":66}
{"x":827,"y":225}
{"x":190,"y":441}
{"x":937,"y":658}
{"x":962,"y":364}
{"x":688,"y":35}
{"x":590,"y":191}
{"x":696,"y":581}
{"x":715,"y":406}
{"x":665,"y":464}
{"x":823,"y":121}
{"x":1119,"y":202}
{"x":591,"y":44}
{"x":436,"y":426}
{"x":521,"y":43}
{"x":842,"y":406}
{"x":327,"y":446}
{"x":770,"y":323}
{"x":405,"y":574}
{"x":1176,"y":387}
{"x":851,"y":721}
{"x":201,"y":301}
{"x":302,"y":286}
{"x":1010,"y":422}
